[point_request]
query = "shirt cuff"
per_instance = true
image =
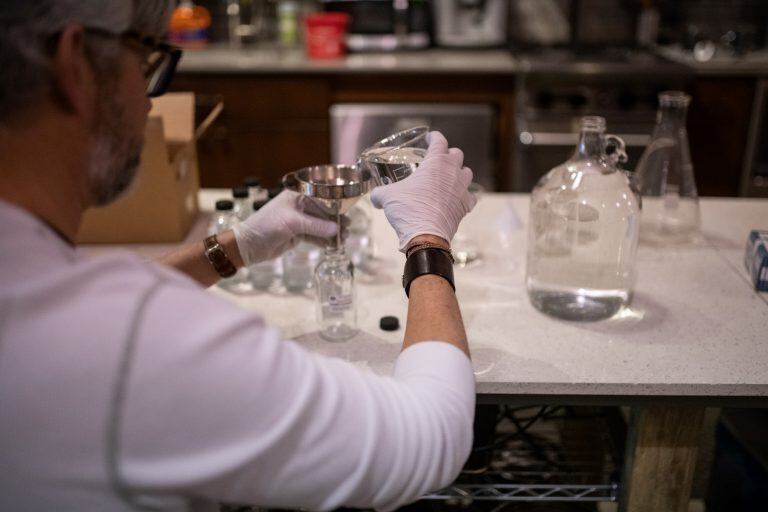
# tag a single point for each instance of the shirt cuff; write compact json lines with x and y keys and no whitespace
{"x":438,"y":360}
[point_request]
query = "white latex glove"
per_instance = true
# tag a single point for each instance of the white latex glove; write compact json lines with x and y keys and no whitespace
{"x":432,"y":200}
{"x":278,"y":226}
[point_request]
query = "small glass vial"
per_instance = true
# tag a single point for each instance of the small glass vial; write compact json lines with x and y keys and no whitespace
{"x":261,"y":275}
{"x":223,"y":219}
{"x":242,"y":205}
{"x":359,"y":243}
{"x":583,"y":232}
{"x":335,"y":296}
{"x":255,"y":191}
{"x":299,"y":266}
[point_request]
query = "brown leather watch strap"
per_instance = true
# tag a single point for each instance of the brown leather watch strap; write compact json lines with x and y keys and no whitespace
{"x":218,"y":257}
{"x":427,"y":261}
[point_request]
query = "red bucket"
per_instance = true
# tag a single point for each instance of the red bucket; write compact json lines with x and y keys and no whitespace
{"x":324,"y":34}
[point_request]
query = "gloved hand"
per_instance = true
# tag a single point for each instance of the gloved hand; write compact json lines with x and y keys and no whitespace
{"x":278,"y":226}
{"x":433,"y":199}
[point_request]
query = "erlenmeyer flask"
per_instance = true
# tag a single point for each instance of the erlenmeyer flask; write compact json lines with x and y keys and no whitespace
{"x":665,"y":174}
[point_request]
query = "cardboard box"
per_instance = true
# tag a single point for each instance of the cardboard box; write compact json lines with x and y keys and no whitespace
{"x":161,"y":205}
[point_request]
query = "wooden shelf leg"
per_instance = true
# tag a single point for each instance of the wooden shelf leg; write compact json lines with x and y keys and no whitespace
{"x":661,"y":458}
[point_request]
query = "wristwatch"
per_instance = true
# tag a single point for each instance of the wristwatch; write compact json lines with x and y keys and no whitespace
{"x":218,"y":257}
{"x":428,"y":260}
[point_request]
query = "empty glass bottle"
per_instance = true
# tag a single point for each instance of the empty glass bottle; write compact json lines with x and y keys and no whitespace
{"x":665,"y":174}
{"x":583,"y":232}
{"x":358,"y":243}
{"x":223,"y":219}
{"x":242,"y":204}
{"x":335,"y":299}
{"x":255,"y":191}
{"x":262,"y":274}
{"x":299,"y":266}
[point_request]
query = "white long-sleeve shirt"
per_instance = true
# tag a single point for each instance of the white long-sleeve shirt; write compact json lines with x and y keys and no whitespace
{"x":125,"y":385}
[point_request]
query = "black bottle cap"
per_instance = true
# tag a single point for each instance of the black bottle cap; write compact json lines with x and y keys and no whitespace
{"x":252,"y":181}
{"x":239,"y":192}
{"x":223,"y":205}
{"x":273,"y":192}
{"x":389,"y":323}
{"x":260,"y":203}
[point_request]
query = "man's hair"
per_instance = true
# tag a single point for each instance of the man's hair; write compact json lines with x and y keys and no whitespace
{"x":28,"y":26}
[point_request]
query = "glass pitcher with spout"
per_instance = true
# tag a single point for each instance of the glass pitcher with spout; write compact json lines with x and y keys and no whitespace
{"x":583,"y":230}
{"x":665,"y":176}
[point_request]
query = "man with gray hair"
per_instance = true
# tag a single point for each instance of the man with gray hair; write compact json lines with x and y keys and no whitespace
{"x":123,"y":384}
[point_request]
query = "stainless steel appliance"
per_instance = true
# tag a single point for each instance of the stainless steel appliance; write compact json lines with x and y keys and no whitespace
{"x":470,"y":23}
{"x":563,"y":85}
{"x":754,"y":177}
{"x":575,"y":23}
{"x":470,"y":127}
{"x":384,"y":25}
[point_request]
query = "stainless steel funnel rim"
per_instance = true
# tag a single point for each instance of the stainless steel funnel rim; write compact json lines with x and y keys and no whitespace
{"x":355,"y":181}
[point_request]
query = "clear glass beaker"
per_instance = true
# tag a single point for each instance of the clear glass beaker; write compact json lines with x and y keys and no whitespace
{"x":665,"y":176}
{"x":397,"y":156}
{"x":583,"y":232}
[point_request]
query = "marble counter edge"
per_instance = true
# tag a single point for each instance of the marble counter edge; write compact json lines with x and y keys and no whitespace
{"x":581,"y":390}
{"x":266,"y":61}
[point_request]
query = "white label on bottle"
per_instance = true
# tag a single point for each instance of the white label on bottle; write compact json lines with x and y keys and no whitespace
{"x":339,"y":303}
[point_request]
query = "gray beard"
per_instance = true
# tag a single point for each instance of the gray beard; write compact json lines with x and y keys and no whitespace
{"x":114,"y":159}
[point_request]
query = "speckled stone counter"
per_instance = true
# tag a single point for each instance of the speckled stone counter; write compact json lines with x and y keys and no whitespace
{"x":696,"y":330}
{"x":277,"y":60}
{"x":695,"y":327}
{"x":752,"y":64}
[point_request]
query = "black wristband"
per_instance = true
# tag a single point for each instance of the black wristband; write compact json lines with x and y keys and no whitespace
{"x":427,"y":261}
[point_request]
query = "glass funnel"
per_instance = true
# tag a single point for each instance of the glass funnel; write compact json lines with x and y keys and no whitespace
{"x":395,"y":157}
{"x":665,"y":176}
{"x":583,"y":231}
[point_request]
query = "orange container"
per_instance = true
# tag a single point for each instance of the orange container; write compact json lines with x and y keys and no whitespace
{"x":324,"y":34}
{"x":189,"y":25}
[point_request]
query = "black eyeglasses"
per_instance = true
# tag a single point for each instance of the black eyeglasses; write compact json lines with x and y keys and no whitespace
{"x":159,"y":59}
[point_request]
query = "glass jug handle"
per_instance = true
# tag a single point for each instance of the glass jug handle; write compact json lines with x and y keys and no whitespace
{"x":619,"y":154}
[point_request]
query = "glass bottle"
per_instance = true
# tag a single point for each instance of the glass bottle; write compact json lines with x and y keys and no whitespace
{"x":583,"y":232}
{"x":358,"y":243}
{"x":223,"y":219}
{"x":255,"y":191}
{"x":262,"y":274}
{"x":665,"y":176}
{"x":299,"y":266}
{"x":242,"y":204}
{"x":335,"y":296}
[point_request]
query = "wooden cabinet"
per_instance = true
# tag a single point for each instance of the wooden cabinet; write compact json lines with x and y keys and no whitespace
{"x":274,"y":124}
{"x":718,"y":126}
{"x":269,"y":126}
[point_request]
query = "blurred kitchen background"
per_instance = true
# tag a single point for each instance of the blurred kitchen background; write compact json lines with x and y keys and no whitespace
{"x":505,"y":80}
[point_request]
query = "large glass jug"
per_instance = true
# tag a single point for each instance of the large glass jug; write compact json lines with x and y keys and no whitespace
{"x":665,"y":175}
{"x":583,"y":231}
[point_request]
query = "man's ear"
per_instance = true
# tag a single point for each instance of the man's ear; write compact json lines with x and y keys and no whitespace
{"x":72,"y":74}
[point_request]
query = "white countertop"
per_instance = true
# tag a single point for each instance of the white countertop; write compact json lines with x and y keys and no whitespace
{"x":273,"y":59}
{"x":751,"y":64}
{"x":695,"y":328}
{"x":222,"y":59}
